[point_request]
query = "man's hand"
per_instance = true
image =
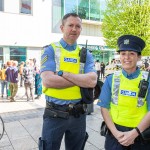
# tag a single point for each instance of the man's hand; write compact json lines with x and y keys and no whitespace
{"x":87,"y":80}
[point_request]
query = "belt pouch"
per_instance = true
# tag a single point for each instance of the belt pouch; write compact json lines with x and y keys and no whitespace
{"x":55,"y":114}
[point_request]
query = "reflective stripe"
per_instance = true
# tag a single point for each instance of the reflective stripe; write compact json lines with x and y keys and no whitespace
{"x":57,"y":50}
{"x":82,"y":68}
{"x":124,"y":108}
{"x":67,"y":61}
{"x":115,"y":89}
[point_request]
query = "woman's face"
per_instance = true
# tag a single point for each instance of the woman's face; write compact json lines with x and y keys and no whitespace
{"x":129,"y":60}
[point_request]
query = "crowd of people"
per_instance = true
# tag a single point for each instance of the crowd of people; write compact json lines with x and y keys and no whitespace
{"x":14,"y":76}
{"x":105,"y":69}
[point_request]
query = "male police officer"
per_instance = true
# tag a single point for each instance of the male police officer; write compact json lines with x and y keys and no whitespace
{"x":124,"y":107}
{"x":60,"y":72}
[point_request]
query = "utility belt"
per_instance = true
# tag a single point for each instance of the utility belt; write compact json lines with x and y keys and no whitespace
{"x":64,"y":111}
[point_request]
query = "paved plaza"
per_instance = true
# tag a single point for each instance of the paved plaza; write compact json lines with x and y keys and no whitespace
{"x":23,"y":123}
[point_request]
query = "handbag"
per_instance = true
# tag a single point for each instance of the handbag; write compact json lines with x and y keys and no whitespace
{"x":146,"y":134}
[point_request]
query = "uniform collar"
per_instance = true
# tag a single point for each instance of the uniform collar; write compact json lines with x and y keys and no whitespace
{"x":132,"y":75}
{"x":67,"y":46}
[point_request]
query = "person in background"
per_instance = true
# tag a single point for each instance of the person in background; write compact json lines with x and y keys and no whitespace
{"x":98,"y":68}
{"x":148,"y":69}
{"x":124,"y":109}
{"x":28,"y":76}
{"x":146,"y":65}
{"x":60,"y":71}
{"x":12,"y":78}
{"x":4,"y":83}
{"x":9,"y":65}
{"x":102,"y":73}
{"x":21,"y":72}
{"x":34,"y":63}
{"x":38,"y":83}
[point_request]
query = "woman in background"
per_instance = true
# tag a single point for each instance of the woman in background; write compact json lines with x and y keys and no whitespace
{"x":38,"y":83}
{"x":4,"y":83}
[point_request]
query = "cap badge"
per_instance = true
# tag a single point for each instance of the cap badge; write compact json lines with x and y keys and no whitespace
{"x":126,"y":42}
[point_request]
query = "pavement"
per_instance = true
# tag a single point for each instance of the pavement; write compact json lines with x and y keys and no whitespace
{"x":23,"y":124}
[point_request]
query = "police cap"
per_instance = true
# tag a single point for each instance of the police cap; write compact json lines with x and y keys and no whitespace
{"x":130,"y":43}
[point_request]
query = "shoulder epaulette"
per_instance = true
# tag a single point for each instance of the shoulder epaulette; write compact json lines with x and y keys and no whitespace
{"x":46,"y":46}
{"x":108,"y":75}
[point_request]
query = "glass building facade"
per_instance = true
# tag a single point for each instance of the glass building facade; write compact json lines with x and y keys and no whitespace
{"x":87,"y":9}
{"x":91,"y":10}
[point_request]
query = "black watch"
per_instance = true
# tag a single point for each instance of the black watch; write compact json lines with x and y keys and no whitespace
{"x":60,"y":73}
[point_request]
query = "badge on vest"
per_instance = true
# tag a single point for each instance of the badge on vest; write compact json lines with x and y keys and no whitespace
{"x":70,"y":60}
{"x":128,"y":93}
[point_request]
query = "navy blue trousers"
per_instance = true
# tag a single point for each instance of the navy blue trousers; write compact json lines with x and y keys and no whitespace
{"x":73,"y":130}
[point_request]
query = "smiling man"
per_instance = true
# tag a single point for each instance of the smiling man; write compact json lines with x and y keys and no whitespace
{"x":125,"y":106}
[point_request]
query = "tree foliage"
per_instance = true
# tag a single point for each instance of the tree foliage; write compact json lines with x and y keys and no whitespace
{"x":127,"y":17}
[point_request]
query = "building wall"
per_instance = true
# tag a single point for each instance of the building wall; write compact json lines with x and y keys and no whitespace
{"x":35,"y":31}
{"x":23,"y":29}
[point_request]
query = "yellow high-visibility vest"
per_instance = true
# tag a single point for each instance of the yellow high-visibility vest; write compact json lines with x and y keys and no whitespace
{"x":127,"y":109}
{"x":68,"y":61}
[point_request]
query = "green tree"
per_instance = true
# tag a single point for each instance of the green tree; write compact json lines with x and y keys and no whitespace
{"x":127,"y":17}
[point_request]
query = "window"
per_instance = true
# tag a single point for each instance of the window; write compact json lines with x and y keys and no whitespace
{"x":102,"y":8}
{"x":26,"y":6}
{"x":1,"y":51}
{"x":18,"y":54}
{"x":83,"y":9}
{"x":95,"y":10}
{"x":1,"y":5}
{"x":86,"y":9}
{"x":70,"y":6}
{"x":56,"y":16}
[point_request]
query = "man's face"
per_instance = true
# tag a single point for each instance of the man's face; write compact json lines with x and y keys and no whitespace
{"x":129,"y":60}
{"x":71,"y":29}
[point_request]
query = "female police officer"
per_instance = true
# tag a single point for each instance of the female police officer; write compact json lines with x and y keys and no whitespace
{"x":124,"y":109}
